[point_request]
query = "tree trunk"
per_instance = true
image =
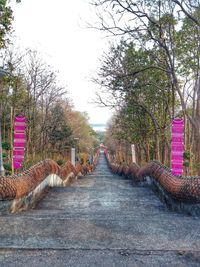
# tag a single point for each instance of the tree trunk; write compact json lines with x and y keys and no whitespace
{"x":157,"y":147}
{"x":147,"y":152}
{"x":197,"y":129}
{"x":168,"y":153}
{"x":138,"y":154}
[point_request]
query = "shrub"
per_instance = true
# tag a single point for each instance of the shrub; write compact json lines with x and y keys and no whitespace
{"x":7,"y":166}
{"x":6,"y":146}
{"x":186,"y":163}
{"x":186,"y":155}
{"x":60,"y":162}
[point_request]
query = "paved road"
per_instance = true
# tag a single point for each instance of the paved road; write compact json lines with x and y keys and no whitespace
{"x":100,"y":220}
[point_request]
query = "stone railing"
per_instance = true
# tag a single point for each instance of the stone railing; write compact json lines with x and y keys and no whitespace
{"x":178,"y":192}
{"x":23,"y":191}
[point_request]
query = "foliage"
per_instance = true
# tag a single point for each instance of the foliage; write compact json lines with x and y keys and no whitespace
{"x":6,"y":18}
{"x":144,"y":96}
{"x":100,"y":136}
{"x":33,"y":90}
{"x":60,"y":162}
{"x":186,"y":163}
{"x":58,"y":130}
{"x":6,"y":146}
{"x":153,"y":73}
{"x":7,"y":166}
{"x":186,"y":155}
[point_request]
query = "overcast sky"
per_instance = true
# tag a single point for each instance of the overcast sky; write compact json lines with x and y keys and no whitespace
{"x":58,"y":30}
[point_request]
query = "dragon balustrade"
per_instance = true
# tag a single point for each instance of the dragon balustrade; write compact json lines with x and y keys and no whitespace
{"x":180,"y":193}
{"x":25,"y":189}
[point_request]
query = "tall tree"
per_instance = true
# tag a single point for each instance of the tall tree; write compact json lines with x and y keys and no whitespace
{"x":162,"y":26}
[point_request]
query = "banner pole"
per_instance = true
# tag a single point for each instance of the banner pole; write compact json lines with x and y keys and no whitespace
{"x":11,"y":140}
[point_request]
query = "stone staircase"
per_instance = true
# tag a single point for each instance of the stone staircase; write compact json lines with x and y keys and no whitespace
{"x":100,"y":220}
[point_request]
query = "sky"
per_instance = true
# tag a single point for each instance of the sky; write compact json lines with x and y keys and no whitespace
{"x":58,"y":30}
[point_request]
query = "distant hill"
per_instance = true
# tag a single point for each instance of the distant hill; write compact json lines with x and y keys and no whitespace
{"x":98,"y":126}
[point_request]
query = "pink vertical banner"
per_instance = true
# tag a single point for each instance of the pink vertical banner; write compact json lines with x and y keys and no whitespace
{"x":177,"y":146}
{"x":19,"y":141}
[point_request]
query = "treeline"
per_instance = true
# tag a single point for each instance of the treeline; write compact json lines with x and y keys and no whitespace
{"x":152,"y":75}
{"x":31,"y":88}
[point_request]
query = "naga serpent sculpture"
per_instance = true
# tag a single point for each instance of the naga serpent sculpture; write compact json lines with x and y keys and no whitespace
{"x":176,"y":189}
{"x":26,"y":188}
{"x":180,"y":193}
{"x":18,"y":186}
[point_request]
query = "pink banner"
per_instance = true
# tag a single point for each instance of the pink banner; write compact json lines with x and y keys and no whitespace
{"x":19,"y":141}
{"x":177,"y":146}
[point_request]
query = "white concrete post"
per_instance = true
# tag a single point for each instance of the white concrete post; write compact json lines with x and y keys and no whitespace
{"x":73,"y":155}
{"x":133,"y":153}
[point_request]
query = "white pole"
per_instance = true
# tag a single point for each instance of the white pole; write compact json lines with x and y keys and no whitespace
{"x":133,"y":153}
{"x":73,"y":152}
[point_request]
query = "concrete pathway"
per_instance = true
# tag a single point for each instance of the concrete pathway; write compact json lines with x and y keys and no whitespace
{"x":101,"y":220}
